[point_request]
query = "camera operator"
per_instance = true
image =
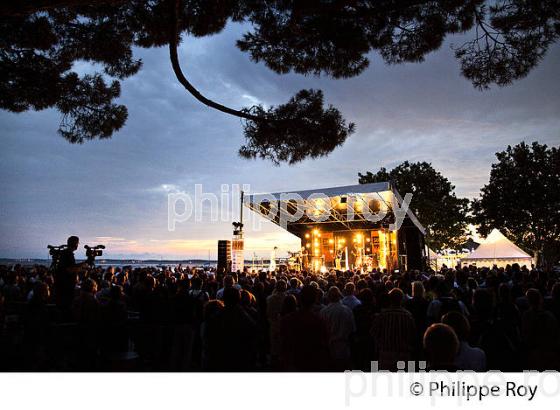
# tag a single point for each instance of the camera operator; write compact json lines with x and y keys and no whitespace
{"x":66,"y":276}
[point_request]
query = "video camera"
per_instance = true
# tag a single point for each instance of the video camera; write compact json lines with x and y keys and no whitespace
{"x":56,"y":252}
{"x":92,"y":252}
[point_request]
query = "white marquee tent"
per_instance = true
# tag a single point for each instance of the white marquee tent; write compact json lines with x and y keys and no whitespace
{"x":497,"y":250}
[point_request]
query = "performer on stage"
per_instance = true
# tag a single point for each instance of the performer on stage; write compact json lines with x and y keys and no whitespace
{"x":338,"y":260}
{"x":357,"y":252}
{"x":304,"y":258}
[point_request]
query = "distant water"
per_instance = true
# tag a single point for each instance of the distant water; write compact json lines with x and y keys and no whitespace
{"x":118,"y":262}
{"x":137,"y":263}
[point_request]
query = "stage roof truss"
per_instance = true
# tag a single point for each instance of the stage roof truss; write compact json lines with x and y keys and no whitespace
{"x":313,"y":205}
{"x":366,"y":204}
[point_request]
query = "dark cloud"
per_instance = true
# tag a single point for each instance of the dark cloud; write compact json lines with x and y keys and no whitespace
{"x":117,"y":188}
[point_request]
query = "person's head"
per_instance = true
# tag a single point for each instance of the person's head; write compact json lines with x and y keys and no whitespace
{"x":258,"y":288}
{"x":247,"y":299}
{"x":471,"y":283}
{"x":108,"y":276}
{"x":281,"y":286}
{"x":504,"y":293}
{"x":294,"y":283}
{"x":442,"y":287}
{"x":366,"y":296}
{"x":196,"y":283}
{"x":458,"y":323}
{"x":89,"y":286}
{"x":417,"y":289}
{"x":289,"y":305}
{"x":441,"y":345}
{"x":12,"y":278}
{"x":122,"y":278}
{"x":212,"y":309}
{"x":349,"y":289}
{"x":334,"y":295}
{"x":149,"y":282}
{"x":115,"y":293}
{"x":534,"y":298}
{"x":73,"y":242}
{"x":482,"y":301}
{"x":228,"y":281}
{"x":41,"y":292}
{"x":307,"y":296}
{"x":396,"y":297}
{"x":263,"y":275}
{"x":232,"y":297}
{"x":361,"y":284}
{"x":272,"y":283}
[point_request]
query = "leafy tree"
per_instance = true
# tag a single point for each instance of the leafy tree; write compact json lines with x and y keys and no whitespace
{"x":433,"y":201}
{"x":41,"y":40}
{"x":523,"y":199}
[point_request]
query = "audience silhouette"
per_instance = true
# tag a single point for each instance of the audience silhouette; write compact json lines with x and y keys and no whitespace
{"x":193,"y":319}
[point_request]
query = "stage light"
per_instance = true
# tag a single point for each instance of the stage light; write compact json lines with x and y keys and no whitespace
{"x":331,"y":241}
{"x":341,"y":204}
{"x":315,"y":231}
{"x":307,"y":235}
{"x":307,"y":245}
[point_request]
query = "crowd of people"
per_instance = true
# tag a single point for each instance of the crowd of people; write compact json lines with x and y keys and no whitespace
{"x":193,"y":319}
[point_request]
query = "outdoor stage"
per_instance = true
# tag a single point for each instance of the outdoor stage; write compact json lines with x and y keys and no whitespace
{"x":341,"y":227}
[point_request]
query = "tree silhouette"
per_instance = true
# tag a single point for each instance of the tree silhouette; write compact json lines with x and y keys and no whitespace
{"x":433,"y":201}
{"x":287,"y":133}
{"x":41,"y":40}
{"x":523,"y":199}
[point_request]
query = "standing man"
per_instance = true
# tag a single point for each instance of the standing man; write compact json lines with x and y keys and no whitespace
{"x":66,"y":276}
{"x":394,"y":332}
{"x":340,"y":323}
{"x":274,"y":305}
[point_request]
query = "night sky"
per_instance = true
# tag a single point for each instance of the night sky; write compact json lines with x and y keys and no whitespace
{"x":115,"y":191}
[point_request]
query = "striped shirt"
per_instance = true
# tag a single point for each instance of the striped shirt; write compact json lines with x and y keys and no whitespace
{"x":394,"y":331}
